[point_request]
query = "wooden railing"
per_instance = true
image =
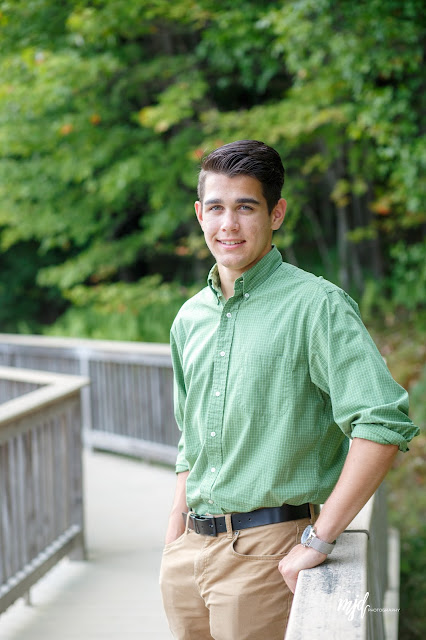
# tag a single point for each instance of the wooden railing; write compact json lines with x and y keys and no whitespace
{"x":41,"y":499}
{"x":345,"y":596}
{"x":128,"y":407}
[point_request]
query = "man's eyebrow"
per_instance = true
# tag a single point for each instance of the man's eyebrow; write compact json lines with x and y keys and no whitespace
{"x":249,"y":200}
{"x":213,"y":201}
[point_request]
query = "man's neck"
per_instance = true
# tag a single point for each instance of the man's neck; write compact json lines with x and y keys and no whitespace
{"x":228,"y":292}
{"x":227,"y":282}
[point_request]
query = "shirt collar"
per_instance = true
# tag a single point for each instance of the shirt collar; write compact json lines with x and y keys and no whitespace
{"x":250,"y":279}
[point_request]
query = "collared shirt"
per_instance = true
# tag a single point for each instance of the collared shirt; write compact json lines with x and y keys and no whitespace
{"x":271,"y":384}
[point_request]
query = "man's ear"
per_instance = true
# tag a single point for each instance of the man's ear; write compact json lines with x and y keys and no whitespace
{"x":278,"y":214}
{"x":199,"y":212}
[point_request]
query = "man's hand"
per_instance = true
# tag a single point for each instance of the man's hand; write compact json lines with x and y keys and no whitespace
{"x":299,"y":558}
{"x":175,"y":529}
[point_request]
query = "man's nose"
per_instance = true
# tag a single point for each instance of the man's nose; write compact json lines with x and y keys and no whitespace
{"x":230,"y":221}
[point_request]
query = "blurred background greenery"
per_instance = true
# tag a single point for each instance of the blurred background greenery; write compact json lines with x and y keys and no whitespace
{"x":105,"y":111}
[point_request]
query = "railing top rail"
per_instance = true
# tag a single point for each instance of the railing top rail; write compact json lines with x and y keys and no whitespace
{"x":55,"y":387}
{"x":37,"y":377}
{"x":340,"y":584}
{"x":113,"y":346}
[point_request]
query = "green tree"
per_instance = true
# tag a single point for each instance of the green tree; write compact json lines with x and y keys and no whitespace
{"x":106,"y":109}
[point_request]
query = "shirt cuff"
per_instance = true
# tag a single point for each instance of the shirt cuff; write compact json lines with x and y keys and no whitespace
{"x":181,"y":466}
{"x":380,"y":434}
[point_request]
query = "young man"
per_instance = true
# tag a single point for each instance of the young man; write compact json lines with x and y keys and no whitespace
{"x":274,"y":372}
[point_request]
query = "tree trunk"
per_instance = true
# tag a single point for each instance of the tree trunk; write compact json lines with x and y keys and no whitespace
{"x":319,"y":239}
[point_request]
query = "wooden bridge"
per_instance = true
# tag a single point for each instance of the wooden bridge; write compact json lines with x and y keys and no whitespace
{"x":86,"y":553}
{"x":114,"y":594}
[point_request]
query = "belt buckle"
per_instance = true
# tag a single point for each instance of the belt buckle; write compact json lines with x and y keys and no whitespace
{"x":209,"y":520}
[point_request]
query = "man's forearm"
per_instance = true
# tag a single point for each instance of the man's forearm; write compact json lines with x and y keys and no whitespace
{"x":366,"y":465}
{"x":176,"y":526}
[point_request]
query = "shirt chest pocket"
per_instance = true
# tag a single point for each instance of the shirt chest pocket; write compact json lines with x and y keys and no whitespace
{"x":265,"y":383}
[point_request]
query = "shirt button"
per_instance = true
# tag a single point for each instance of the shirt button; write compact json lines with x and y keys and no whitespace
{"x":228,"y":315}
{"x":222,"y":353}
{"x":217,"y":393}
{"x":213,"y":469}
{"x":210,"y":501}
{"x":247,"y":295}
{"x":213,"y":433}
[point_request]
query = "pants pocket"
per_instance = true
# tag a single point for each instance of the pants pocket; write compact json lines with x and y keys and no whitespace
{"x":269,"y":543}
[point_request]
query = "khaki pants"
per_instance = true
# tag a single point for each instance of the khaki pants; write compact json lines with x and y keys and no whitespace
{"x":228,"y":587}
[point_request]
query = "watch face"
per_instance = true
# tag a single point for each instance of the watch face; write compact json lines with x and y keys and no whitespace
{"x":306,"y":534}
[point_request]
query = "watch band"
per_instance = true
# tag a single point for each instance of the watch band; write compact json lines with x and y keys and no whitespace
{"x":310,"y":539}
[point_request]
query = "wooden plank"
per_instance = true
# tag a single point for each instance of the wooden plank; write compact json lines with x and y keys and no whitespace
{"x":61,"y":462}
{"x":117,"y":399}
{"x":5,"y":513}
{"x":29,"y":484}
{"x":21,"y":501}
{"x":51,"y":474}
{"x":13,"y":507}
{"x":76,"y":469}
{"x":154,"y":379}
{"x":86,"y":404}
{"x":44,"y":523}
{"x":50,"y":343}
{"x":95,"y":404}
{"x":34,"y":376}
{"x":38,"y":485}
{"x":107,"y":392}
{"x":333,"y":591}
{"x":130,"y":400}
{"x":136,"y":447}
{"x":169,"y":427}
{"x":144,"y":412}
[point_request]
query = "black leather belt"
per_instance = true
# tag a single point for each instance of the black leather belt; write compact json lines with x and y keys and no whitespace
{"x":210,"y":525}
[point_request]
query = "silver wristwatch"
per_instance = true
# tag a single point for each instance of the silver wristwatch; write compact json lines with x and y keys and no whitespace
{"x":310,"y":539}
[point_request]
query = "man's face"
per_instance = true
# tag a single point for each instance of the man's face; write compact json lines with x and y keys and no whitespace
{"x":236,"y":223}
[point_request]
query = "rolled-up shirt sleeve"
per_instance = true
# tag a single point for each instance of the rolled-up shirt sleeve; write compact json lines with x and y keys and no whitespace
{"x":345,"y":363}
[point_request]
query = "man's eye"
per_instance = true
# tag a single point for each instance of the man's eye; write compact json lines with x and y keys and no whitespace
{"x":246,"y":207}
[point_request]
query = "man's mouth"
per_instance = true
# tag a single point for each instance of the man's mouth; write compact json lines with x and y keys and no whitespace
{"x":230,"y":243}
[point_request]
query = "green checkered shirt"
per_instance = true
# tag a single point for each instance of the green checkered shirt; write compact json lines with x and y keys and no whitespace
{"x":269,"y":386}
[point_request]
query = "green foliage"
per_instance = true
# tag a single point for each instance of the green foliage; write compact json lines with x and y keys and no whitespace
{"x":107,"y":107}
{"x":20,"y":296}
{"x":142,"y":310}
{"x":418,"y":394}
{"x":409,"y":275}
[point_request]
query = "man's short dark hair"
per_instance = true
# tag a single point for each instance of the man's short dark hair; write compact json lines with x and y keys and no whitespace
{"x":248,"y":158}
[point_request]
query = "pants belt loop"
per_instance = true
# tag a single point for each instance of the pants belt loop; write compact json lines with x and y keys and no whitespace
{"x":228,"y":523}
{"x":312,"y":512}
{"x":188,"y":515}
